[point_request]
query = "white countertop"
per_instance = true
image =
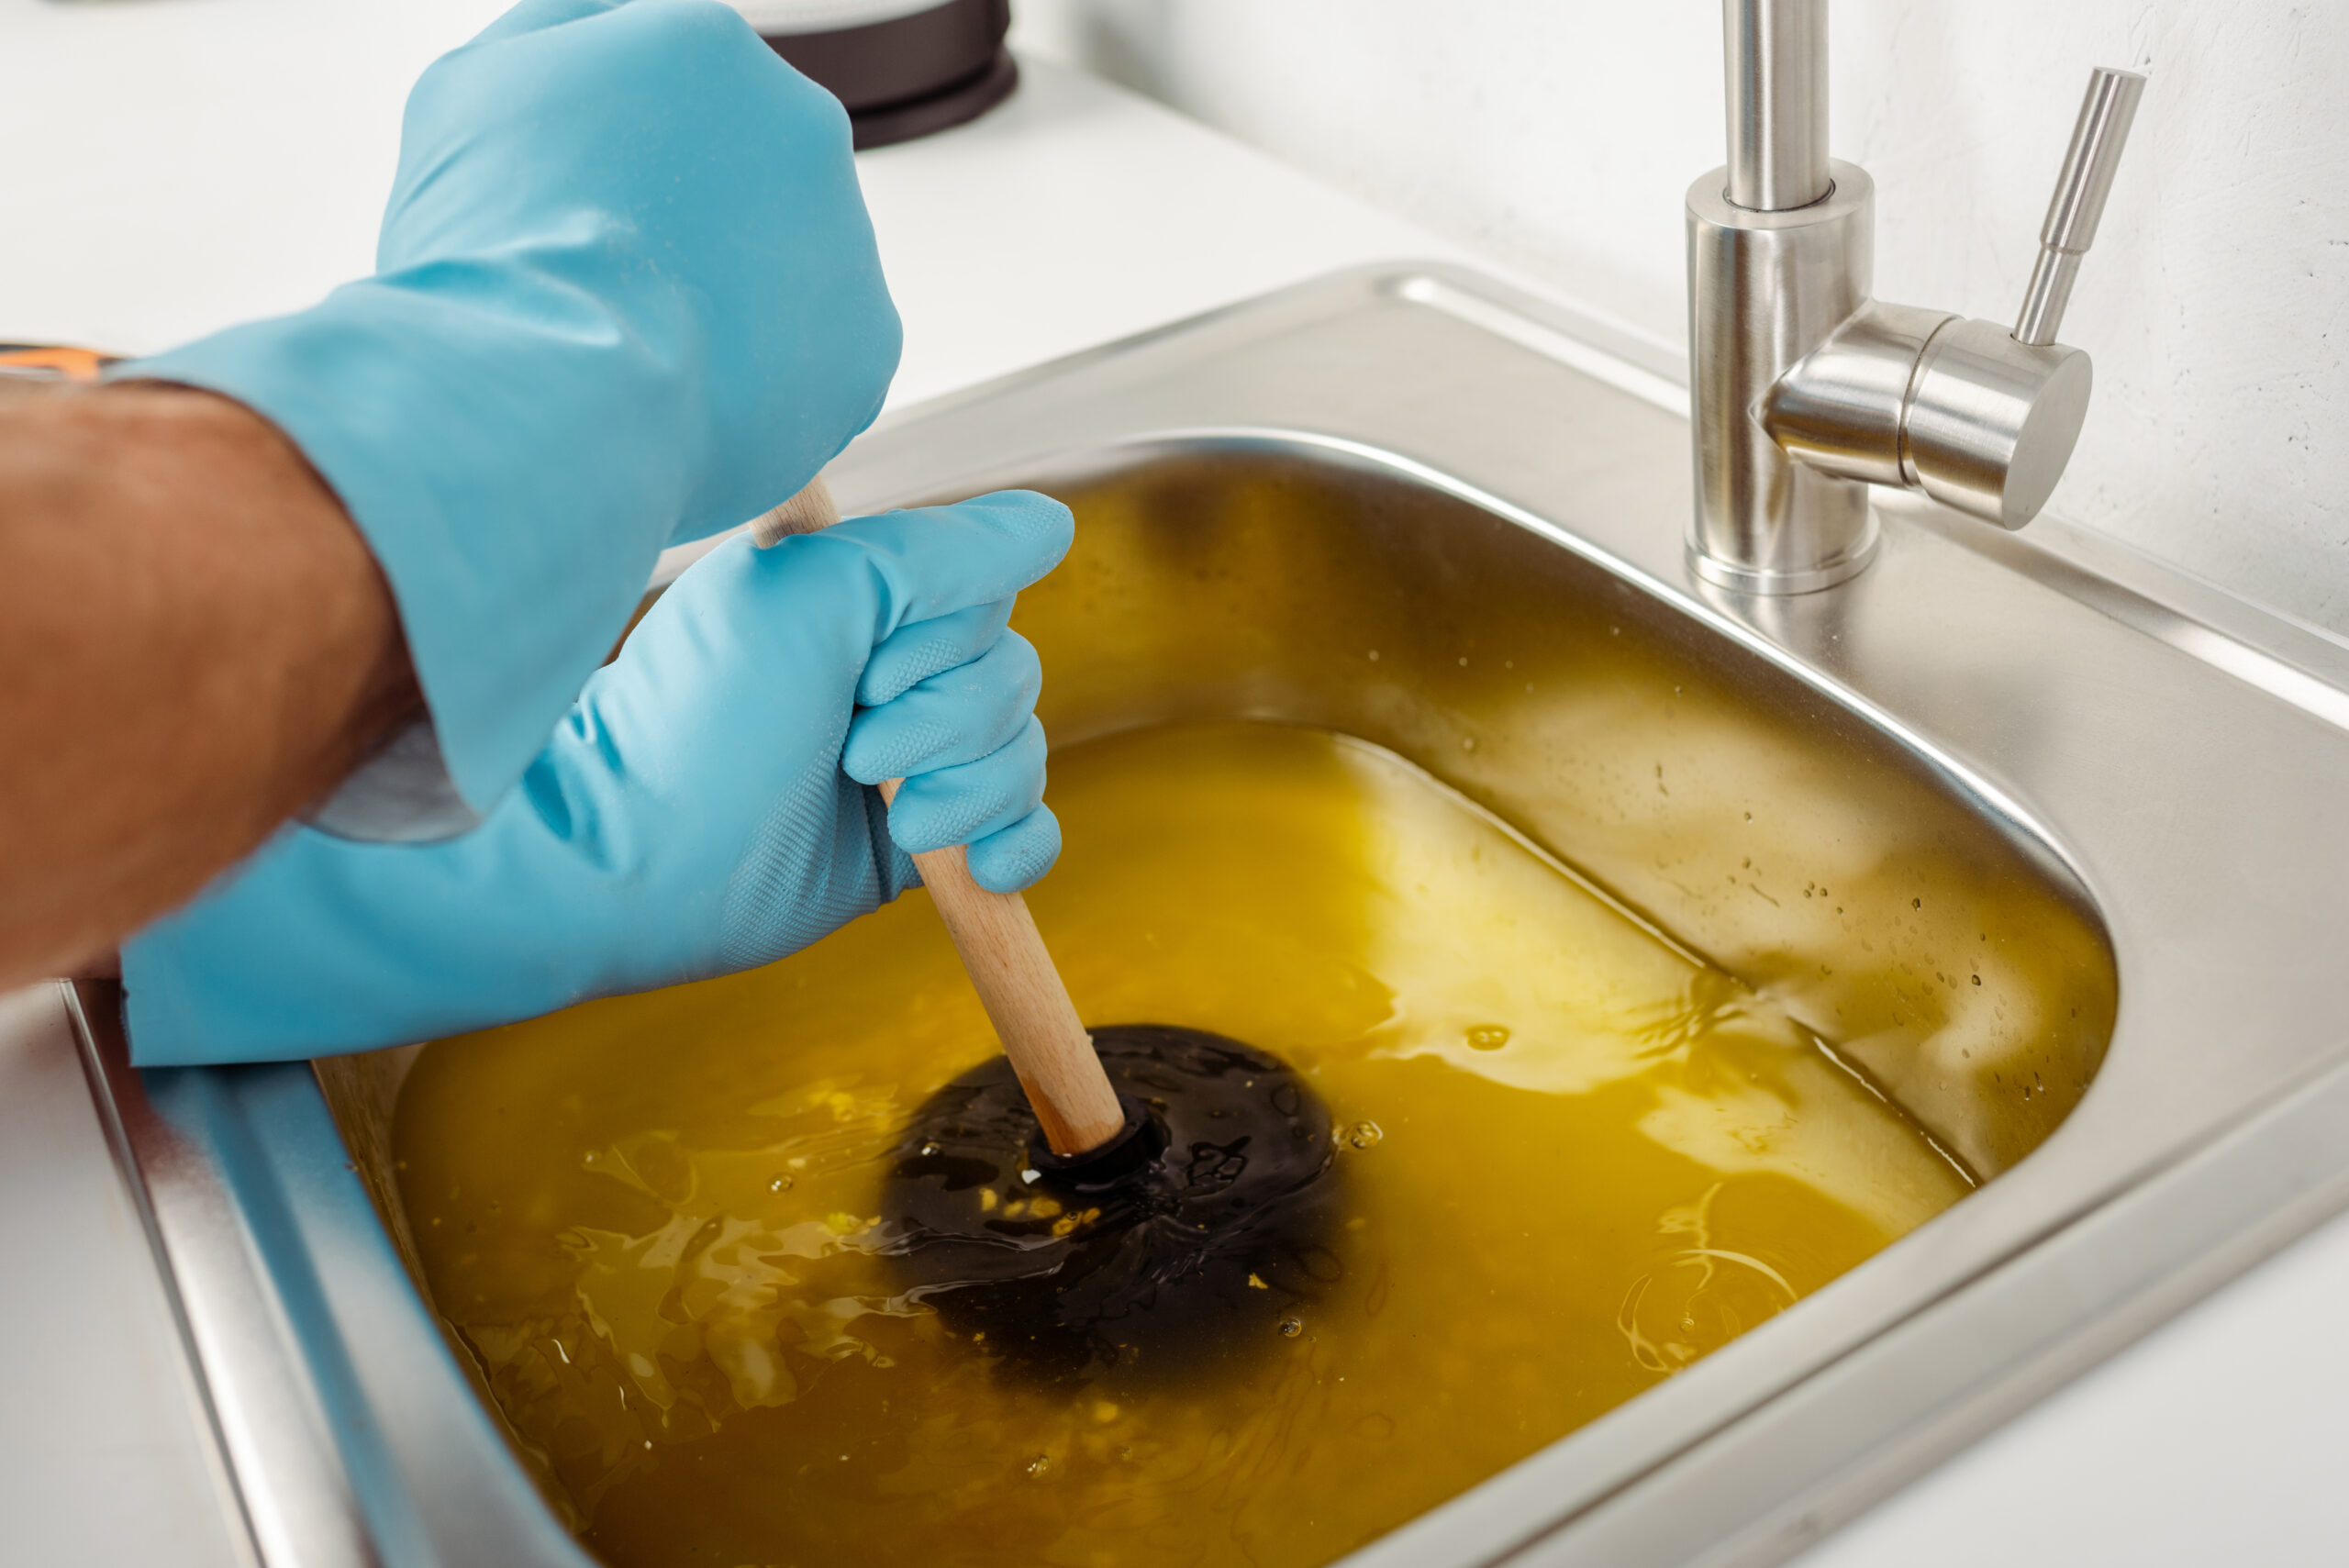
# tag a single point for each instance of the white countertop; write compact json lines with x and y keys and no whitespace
{"x":173,"y":165}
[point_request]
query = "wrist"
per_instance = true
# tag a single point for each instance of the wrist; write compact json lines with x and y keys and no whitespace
{"x":514,"y":455}
{"x":257,"y":469}
{"x":216,"y":650}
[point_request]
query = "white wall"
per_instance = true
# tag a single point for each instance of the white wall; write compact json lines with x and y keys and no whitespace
{"x":1559,"y":137}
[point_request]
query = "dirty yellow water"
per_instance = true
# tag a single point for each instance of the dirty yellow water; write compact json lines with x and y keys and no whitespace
{"x":1576,"y":1159}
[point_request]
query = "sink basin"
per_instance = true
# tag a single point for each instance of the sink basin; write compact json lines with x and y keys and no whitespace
{"x":2039,"y":836}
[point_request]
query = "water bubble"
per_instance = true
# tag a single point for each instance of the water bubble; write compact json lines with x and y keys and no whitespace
{"x":782,"y":1182}
{"x":1364,"y":1134}
{"x":1487,"y":1036}
{"x":1292,"y":1326}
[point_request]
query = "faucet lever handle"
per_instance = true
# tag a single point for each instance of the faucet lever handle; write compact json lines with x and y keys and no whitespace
{"x":2080,"y":191}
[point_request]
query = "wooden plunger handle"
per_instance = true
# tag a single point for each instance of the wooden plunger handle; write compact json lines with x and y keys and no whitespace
{"x":811,"y":511}
{"x":1001,"y":949}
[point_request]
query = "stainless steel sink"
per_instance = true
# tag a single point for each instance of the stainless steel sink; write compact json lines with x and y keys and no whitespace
{"x":2042,"y":838}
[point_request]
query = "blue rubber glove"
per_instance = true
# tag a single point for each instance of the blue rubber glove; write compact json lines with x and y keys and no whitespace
{"x":706,"y":808}
{"x":626,"y":293}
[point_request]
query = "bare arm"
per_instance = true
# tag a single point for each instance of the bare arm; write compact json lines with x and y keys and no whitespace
{"x":194,"y":645}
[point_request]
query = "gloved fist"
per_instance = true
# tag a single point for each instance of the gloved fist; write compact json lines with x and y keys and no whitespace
{"x":626,"y":293}
{"x":706,"y":806}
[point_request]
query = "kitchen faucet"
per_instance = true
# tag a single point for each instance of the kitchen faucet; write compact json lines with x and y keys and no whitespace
{"x":1804,"y":389}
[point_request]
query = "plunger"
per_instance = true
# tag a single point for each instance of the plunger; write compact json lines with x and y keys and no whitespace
{"x":1140,"y":1202}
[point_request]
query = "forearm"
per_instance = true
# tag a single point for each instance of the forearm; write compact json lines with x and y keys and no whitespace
{"x":197,"y":646}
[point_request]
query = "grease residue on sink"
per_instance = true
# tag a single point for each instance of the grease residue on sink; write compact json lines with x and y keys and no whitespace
{"x":1578,"y":1160}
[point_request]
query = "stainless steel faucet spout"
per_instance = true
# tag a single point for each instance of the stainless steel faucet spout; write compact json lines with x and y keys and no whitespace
{"x":1774,"y":54}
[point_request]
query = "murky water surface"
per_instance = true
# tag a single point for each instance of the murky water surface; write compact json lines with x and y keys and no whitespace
{"x":1576,"y":1160}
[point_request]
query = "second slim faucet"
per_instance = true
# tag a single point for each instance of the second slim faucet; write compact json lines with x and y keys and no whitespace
{"x":1804,"y":389}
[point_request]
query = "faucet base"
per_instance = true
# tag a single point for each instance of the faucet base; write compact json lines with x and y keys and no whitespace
{"x":1764,"y":290}
{"x":1780,"y":582}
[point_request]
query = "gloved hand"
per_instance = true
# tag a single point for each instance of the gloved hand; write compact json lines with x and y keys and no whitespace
{"x":626,"y":293}
{"x":706,"y":806}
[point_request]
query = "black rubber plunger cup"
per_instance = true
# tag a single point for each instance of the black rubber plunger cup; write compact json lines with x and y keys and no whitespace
{"x":1190,"y":1242}
{"x":1146,"y":1201}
